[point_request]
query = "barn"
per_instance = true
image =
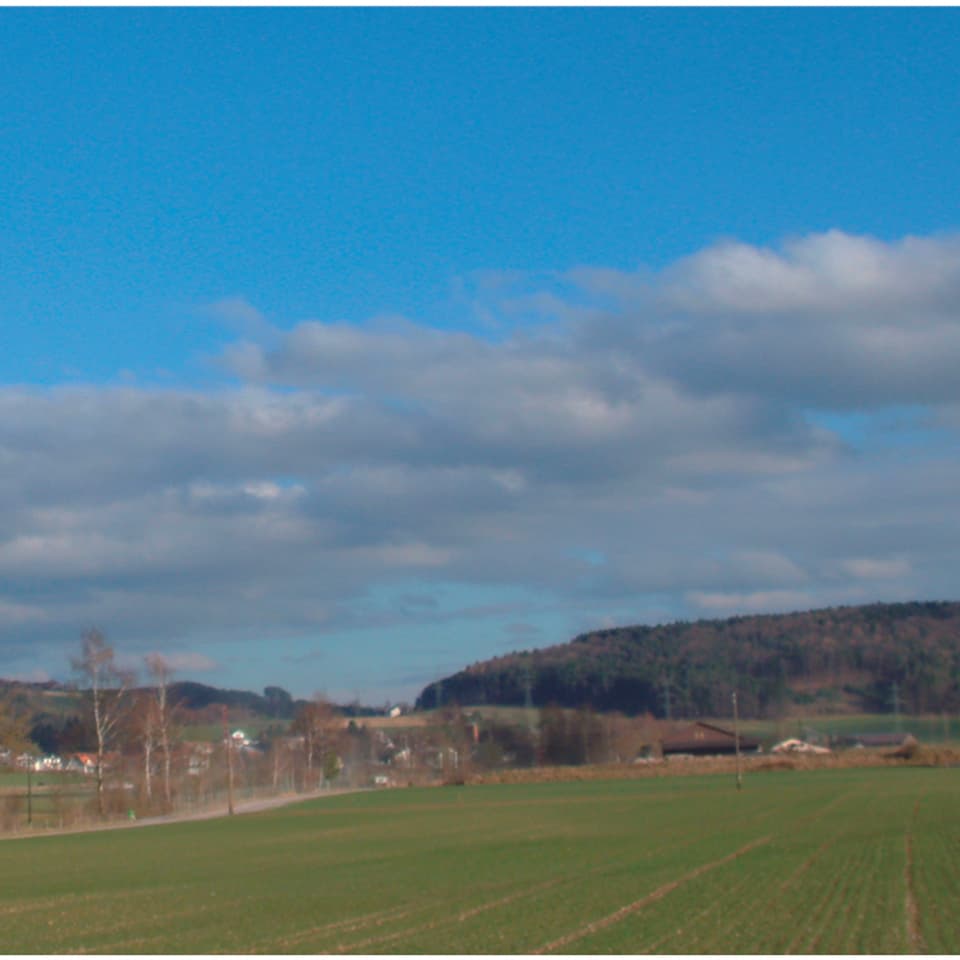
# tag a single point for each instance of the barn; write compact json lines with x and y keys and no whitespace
{"x":706,"y":740}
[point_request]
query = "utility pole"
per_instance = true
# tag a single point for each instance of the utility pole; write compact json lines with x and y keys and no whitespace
{"x":528,"y":698}
{"x":896,"y":706}
{"x":736,"y":739}
{"x":30,"y":792}
{"x":228,"y":743}
{"x":532,"y":730}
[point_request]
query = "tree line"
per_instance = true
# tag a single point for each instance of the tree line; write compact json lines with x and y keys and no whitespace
{"x":132,"y":736}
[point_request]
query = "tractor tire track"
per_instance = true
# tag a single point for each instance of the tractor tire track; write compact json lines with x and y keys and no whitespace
{"x":815,"y":914}
{"x":350,"y":925}
{"x":67,"y":901}
{"x":139,"y":943}
{"x":141,"y":925}
{"x":766,"y":944}
{"x":713,"y":907}
{"x":459,"y":918}
{"x":658,"y":894}
{"x":835,"y":906}
{"x":915,"y":939}
{"x":605,"y":867}
{"x":528,"y":891}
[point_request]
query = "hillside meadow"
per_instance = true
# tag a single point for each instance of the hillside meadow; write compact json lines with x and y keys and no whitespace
{"x":827,"y":861}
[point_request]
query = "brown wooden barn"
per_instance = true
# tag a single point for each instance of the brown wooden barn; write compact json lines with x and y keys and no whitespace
{"x":704,"y":739}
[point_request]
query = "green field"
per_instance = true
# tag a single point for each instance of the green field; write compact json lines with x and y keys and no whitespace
{"x":17,"y":779}
{"x":213,"y":732}
{"x":928,"y":728}
{"x":840,"y":861}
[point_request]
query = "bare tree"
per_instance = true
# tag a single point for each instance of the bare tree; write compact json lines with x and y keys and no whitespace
{"x":107,"y":685}
{"x":316,"y":722}
{"x":15,"y":738}
{"x":279,"y":751}
{"x":144,"y":723}
{"x":159,"y":670}
{"x":456,"y":735}
{"x":14,"y":724}
{"x":228,"y":747}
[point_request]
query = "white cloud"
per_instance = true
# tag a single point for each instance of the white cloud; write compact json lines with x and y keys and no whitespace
{"x":663,"y":422}
{"x":874,"y":568}
{"x":17,"y":614}
{"x":28,"y":676}
{"x":185,"y":661}
{"x":767,"y":566}
{"x":242,"y":318}
{"x":827,"y":320}
{"x":826,"y":272}
{"x":721,"y":604}
{"x":407,"y":555}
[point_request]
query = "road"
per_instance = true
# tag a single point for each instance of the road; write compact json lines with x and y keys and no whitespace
{"x":241,"y":807}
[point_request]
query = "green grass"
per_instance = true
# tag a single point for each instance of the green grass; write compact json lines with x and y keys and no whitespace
{"x":56,"y":797}
{"x":840,"y":861}
{"x":213,"y":732}
{"x":16,"y":780}
{"x":928,"y":728}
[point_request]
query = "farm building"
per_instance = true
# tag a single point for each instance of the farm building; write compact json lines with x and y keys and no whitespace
{"x":794,"y":745}
{"x":705,"y":739}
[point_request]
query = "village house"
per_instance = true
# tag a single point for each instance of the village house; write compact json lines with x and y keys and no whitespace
{"x":794,"y":745}
{"x":87,"y":762}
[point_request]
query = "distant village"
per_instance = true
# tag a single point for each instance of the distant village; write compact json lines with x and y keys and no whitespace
{"x":107,"y":747}
{"x":698,"y":739}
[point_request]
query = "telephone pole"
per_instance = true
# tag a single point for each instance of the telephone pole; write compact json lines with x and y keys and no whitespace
{"x":528,"y":697}
{"x":30,"y":792}
{"x":736,"y":739}
{"x":666,"y":697}
{"x":228,"y":743}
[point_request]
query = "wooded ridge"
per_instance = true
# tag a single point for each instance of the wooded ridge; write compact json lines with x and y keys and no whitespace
{"x":876,"y":658}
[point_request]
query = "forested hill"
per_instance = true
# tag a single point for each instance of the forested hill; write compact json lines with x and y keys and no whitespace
{"x":879,"y":657}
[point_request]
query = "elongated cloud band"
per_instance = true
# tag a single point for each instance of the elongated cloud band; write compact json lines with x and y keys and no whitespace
{"x":747,"y":429}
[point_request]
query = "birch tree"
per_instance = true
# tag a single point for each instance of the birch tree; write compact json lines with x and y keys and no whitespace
{"x":316,"y":722}
{"x":107,"y":687}
{"x":160,"y":672}
{"x":144,"y":716}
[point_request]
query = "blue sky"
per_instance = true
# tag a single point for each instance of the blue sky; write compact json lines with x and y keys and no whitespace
{"x":342,"y":348}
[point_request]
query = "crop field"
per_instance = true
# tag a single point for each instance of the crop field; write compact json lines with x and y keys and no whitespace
{"x":834,"y":861}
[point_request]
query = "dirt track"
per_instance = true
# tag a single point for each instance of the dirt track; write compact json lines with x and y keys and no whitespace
{"x":211,"y":813}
